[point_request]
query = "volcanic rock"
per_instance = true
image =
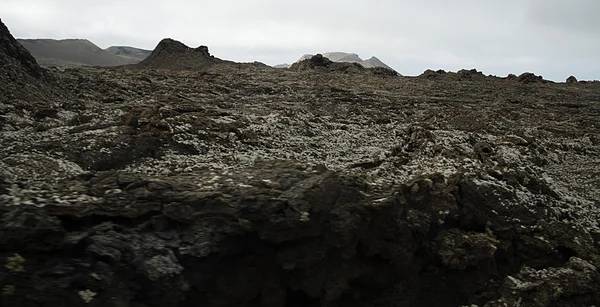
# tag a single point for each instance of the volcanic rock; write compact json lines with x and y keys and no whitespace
{"x":245,"y":185}
{"x":344,"y":57}
{"x":571,"y":79}
{"x":528,"y":77}
{"x":470,"y":75}
{"x":322,"y":63}
{"x":461,"y":75}
{"x":174,"y":55}
{"x":433,"y":74}
{"x":13,"y":53}
{"x":21,"y":78}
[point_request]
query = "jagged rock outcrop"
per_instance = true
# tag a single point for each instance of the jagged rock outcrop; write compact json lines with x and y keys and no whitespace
{"x":14,"y":56}
{"x":174,"y":55}
{"x":571,"y":79}
{"x":324,"y":64}
{"x":433,"y":74}
{"x":24,"y":85}
{"x":528,"y":77}
{"x":474,"y":75}
{"x":344,"y":57}
{"x":461,"y":75}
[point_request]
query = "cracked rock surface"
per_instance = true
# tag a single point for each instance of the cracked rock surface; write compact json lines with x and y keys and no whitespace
{"x":241,"y":185}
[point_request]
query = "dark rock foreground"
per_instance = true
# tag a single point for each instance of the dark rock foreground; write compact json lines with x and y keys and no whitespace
{"x":242,"y":185}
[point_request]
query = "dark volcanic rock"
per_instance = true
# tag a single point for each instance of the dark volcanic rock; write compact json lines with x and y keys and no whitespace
{"x":528,"y":77}
{"x":470,"y":75}
{"x":174,"y":55}
{"x":244,"y":185}
{"x":320,"y":63}
{"x":21,"y":77}
{"x":571,"y":79}
{"x":12,"y":51}
{"x":461,"y":75}
{"x":433,"y":74}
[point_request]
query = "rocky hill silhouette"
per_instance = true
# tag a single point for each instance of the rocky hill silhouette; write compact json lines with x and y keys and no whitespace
{"x":475,"y":75}
{"x":21,"y":78}
{"x":174,"y":55}
{"x":345,"y":57}
{"x":321,"y":63}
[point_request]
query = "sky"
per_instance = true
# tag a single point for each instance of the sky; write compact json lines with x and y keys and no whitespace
{"x":552,"y":38}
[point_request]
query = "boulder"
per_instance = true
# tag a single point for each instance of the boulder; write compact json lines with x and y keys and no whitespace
{"x":527,"y":78}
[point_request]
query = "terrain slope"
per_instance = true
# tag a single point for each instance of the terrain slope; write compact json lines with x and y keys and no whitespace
{"x":134,"y":55}
{"x":189,"y":181}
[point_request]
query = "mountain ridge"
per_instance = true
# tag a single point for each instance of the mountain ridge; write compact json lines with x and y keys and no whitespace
{"x":71,"y":52}
{"x":343,"y":57}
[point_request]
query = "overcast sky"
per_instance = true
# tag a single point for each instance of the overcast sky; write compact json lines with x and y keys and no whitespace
{"x":553,"y":38}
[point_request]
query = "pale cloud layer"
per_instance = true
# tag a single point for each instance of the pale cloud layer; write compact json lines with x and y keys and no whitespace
{"x":554,"y":38}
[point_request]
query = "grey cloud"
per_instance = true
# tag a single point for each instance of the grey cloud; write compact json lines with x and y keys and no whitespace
{"x":554,"y":38}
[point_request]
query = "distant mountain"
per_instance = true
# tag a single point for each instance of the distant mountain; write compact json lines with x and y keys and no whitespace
{"x":71,"y":52}
{"x":132,"y":54}
{"x":374,"y":62}
{"x":349,"y":58}
{"x":286,"y":65}
{"x":343,"y":57}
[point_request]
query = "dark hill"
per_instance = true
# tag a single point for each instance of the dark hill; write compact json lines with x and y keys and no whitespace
{"x":324,"y":64}
{"x":174,"y":55}
{"x":21,"y":77}
{"x":71,"y":52}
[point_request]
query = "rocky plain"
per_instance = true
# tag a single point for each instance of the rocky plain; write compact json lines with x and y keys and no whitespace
{"x":186,"y":180}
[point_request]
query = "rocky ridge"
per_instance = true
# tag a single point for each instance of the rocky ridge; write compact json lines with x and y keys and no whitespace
{"x":323,"y":64}
{"x":174,"y":55}
{"x":242,"y":185}
{"x":344,"y":57}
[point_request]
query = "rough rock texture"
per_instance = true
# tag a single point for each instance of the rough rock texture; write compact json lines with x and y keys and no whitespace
{"x":21,"y":78}
{"x":348,"y":58}
{"x":323,"y":64}
{"x":174,"y":55}
{"x":474,"y":75}
{"x":461,"y":75}
{"x":14,"y":54}
{"x":528,"y":77}
{"x":571,"y":79}
{"x":243,"y":185}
